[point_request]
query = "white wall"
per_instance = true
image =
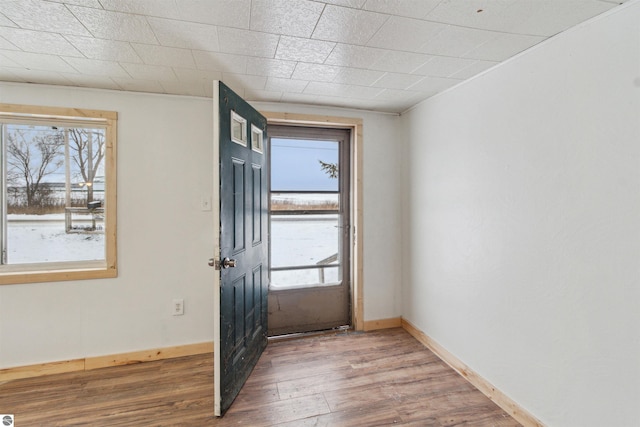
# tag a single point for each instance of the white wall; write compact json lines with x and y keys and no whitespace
{"x":164,"y":239}
{"x":522,"y":235}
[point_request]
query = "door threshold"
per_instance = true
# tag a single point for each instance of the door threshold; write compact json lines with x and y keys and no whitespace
{"x":341,"y":330}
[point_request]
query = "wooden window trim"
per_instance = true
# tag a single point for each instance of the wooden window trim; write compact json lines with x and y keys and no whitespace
{"x":82,"y":269}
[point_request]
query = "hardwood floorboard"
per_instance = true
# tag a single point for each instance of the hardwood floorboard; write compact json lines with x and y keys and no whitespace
{"x":379,"y":378}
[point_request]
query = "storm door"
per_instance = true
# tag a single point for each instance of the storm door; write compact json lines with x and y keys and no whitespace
{"x":310,"y":238}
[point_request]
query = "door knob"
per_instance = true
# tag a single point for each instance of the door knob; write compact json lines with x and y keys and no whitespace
{"x":219,"y":265}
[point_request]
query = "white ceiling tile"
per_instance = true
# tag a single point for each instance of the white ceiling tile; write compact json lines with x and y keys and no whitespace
{"x":6,"y":22}
{"x":503,"y":46}
{"x":408,"y":8}
{"x":245,"y":42}
{"x":253,"y":95}
{"x":400,"y":62}
{"x":161,"y":8}
{"x":298,"y":98}
{"x":192,"y":88}
{"x":270,"y":67}
{"x":43,"y":16}
{"x":357,"y":76}
{"x":288,"y":17}
{"x":191,"y":75}
{"x":115,"y":25}
{"x":405,"y":34}
{"x":84,"y":80}
{"x":86,"y":3}
{"x":443,"y":66}
{"x":357,"y":4}
{"x":475,"y":68}
{"x":483,"y":14}
{"x":5,"y":61}
{"x":135,"y":85}
{"x":305,"y":50}
{"x":346,"y":91}
{"x":286,"y":85}
{"x":346,"y":55}
{"x":456,"y":41}
{"x":39,"y":42}
{"x":549,"y":17}
{"x":44,"y":77}
{"x":8,"y":75}
{"x":107,"y":50}
{"x":5,"y":44}
{"x":341,"y":24}
{"x":162,"y":55}
{"x":317,"y":72}
{"x":39,"y":61}
{"x":244,"y":81}
{"x":216,"y":61}
{"x":188,"y":35}
{"x":397,"y":81}
{"x":97,"y":67}
{"x":230,"y":13}
{"x":433,"y":85}
{"x":532,"y":17}
{"x":149,"y":72}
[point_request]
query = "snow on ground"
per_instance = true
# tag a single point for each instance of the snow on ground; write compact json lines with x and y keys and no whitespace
{"x":42,"y":238}
{"x":297,"y":242}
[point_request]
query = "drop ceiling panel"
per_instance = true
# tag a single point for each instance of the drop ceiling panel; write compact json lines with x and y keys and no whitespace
{"x":187,"y":35}
{"x":286,"y":17}
{"x":345,"y":25}
{"x":384,"y":55}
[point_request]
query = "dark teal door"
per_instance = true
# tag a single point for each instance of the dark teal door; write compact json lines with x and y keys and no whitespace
{"x":243,"y":245}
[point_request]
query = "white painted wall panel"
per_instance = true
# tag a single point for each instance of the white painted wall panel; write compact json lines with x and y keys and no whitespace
{"x":522,"y":223}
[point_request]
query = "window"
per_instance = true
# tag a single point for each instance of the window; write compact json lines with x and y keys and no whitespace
{"x":309,"y":207}
{"x":58,"y":194}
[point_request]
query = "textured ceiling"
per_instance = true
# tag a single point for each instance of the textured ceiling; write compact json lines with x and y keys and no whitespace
{"x":384,"y":55}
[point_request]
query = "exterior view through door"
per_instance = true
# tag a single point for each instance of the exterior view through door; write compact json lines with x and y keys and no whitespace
{"x":310,"y":237}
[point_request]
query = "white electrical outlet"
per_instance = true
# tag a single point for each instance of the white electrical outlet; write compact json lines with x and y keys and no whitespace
{"x":178,"y":307}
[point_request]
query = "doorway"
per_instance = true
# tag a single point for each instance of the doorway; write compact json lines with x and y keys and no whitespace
{"x":310,"y":229}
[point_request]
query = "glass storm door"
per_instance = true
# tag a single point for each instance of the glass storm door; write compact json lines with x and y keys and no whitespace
{"x":309,"y":229}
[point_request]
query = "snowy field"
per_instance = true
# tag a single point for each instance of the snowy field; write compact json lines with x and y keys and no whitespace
{"x":298,"y":241}
{"x":42,"y":238}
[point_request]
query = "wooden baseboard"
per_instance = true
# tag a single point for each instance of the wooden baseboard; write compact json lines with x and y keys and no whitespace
{"x":89,"y":363}
{"x":498,"y":397}
{"x":373,"y":325}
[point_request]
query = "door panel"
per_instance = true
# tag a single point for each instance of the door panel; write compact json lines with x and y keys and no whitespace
{"x":241,"y":314}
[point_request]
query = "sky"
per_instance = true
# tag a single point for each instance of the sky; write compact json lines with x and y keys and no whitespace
{"x":295,"y":165}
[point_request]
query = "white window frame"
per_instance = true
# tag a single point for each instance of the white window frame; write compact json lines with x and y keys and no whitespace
{"x":74,"y":270}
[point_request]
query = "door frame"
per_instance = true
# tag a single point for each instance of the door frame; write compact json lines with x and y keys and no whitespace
{"x":355,"y":126}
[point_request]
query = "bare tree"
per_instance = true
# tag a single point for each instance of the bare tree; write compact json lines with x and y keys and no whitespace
{"x":87,"y":146}
{"x":32,"y":157}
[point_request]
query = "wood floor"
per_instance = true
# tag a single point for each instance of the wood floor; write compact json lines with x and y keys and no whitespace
{"x":378,"y":378}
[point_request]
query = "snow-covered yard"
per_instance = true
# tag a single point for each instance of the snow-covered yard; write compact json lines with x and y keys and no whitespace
{"x":42,"y":238}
